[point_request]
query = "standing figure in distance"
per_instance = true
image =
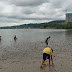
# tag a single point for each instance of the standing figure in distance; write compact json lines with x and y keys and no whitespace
{"x":0,"y":37}
{"x":46,"y":41}
{"x":15,"y":37}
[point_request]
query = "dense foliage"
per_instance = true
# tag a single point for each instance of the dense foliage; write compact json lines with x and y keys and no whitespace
{"x":60,"y":26}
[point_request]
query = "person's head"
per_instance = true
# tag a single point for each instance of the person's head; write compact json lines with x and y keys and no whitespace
{"x":49,"y":37}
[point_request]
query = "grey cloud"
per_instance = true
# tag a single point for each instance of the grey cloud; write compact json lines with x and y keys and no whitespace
{"x":69,"y":8}
{"x":28,"y":10}
{"x":3,"y":20}
{"x":21,"y":10}
{"x":31,"y":18}
{"x":58,"y":3}
{"x":26,"y":2}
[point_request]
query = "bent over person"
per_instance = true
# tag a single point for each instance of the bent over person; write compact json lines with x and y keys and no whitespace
{"x":47,"y":54}
{"x":46,"y":41}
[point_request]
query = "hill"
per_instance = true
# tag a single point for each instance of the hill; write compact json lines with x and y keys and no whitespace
{"x":33,"y":25}
{"x":56,"y":22}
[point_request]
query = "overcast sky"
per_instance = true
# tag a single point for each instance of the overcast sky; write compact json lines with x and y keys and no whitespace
{"x":16,"y":12}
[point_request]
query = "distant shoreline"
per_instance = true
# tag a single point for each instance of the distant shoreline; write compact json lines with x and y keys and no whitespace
{"x":41,"y":26}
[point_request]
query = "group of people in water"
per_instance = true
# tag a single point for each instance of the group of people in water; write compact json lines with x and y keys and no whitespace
{"x":47,"y":53}
{"x":15,"y":38}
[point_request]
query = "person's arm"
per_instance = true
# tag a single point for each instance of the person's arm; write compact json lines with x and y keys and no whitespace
{"x":45,"y":41}
{"x":51,"y":59}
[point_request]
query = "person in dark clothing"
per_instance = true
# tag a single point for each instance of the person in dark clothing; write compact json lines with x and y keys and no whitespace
{"x":46,"y":41}
{"x":15,"y":37}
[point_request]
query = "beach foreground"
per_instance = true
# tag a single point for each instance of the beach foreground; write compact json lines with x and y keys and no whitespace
{"x":27,"y":57}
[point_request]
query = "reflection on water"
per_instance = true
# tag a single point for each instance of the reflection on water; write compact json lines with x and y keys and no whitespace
{"x":68,"y":36}
{"x":68,"y":32}
{"x":15,"y":40}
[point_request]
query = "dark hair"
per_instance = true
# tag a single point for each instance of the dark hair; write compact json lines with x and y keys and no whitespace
{"x":49,"y":37}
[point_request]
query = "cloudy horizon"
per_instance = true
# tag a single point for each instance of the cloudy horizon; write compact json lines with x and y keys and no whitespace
{"x":17,"y":12}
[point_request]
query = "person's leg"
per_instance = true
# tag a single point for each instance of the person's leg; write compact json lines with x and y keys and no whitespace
{"x":48,"y":57}
{"x":42,"y":63}
{"x":44,"y":58}
{"x":46,"y":43}
{"x":49,"y":61}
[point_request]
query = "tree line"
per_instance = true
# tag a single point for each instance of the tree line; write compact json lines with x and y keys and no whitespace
{"x":59,"y":26}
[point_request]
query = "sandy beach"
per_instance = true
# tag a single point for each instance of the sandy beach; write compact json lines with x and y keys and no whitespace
{"x":27,"y":57}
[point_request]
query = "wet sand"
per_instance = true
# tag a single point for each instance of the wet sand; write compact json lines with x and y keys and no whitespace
{"x":27,"y":57}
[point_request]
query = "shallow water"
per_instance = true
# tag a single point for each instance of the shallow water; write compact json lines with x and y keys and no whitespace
{"x":33,"y":35}
{"x":25,"y":54}
{"x":61,"y":39}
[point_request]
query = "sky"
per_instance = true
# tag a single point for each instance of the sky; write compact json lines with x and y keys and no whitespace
{"x":17,"y":12}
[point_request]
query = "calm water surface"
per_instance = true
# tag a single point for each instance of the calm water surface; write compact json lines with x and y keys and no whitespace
{"x":33,"y":35}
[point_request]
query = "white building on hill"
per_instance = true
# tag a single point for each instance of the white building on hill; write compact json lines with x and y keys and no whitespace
{"x":68,"y":17}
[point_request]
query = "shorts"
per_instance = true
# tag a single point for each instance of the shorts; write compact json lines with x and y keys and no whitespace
{"x":46,"y":43}
{"x":46,"y":56}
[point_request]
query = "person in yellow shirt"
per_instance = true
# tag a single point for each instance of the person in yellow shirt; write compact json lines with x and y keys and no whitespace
{"x":47,"y":52}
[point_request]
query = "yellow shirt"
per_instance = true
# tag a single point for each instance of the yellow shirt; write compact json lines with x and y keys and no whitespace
{"x":47,"y":50}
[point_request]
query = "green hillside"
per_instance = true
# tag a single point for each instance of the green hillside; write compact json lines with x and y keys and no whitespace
{"x":58,"y":24}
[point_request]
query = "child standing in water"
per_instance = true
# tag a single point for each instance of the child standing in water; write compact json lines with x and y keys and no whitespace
{"x":15,"y":37}
{"x":0,"y":37}
{"x":46,"y":41}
